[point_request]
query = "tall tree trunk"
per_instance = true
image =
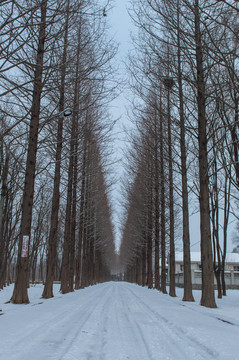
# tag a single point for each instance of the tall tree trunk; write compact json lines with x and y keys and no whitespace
{"x":75,"y":169}
{"x":2,"y":203}
{"x":156,"y":211}
{"x":68,"y":257}
{"x":143,"y":256}
{"x":171,"y":198}
{"x":9,"y":279}
{"x":73,"y":227}
{"x":52,"y":240}
{"x":162,"y":202}
{"x":215,"y":223}
{"x":81,"y":223}
{"x":92,"y":260}
{"x":20,"y":294}
{"x":187,"y":295}
{"x":85,"y":232}
{"x":97,"y":267}
{"x":90,"y":219}
{"x":227,"y":191}
{"x":139,"y":271}
{"x":235,"y":140}
{"x":149,"y":237}
{"x":65,"y":268}
{"x":208,"y":297}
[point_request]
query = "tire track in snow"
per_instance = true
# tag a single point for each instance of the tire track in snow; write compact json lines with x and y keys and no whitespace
{"x":104,"y":322}
{"x":107,"y":317}
{"x":91,"y":337}
{"x":117,"y":344}
{"x":51,"y":321}
{"x":120,"y":334}
{"x":139,"y":342}
{"x":177,"y":333}
{"x":228,"y":320}
{"x":49,"y":333}
{"x":157,"y":345}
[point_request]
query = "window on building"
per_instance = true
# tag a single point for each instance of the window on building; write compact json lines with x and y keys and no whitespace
{"x":236,"y":267}
{"x":181,"y":267}
{"x":200,"y":266}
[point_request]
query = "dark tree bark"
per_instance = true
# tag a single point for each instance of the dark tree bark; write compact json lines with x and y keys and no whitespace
{"x":227,"y":192}
{"x":187,"y":295}
{"x":215,"y":221}
{"x":20,"y":294}
{"x":149,"y":235}
{"x":75,"y":169}
{"x":81,"y":223}
{"x":156,"y":207}
{"x":65,"y":268}
{"x":234,"y":128}
{"x":143,"y":257}
{"x":3,"y":248}
{"x":85,"y":221}
{"x":162,"y":202}
{"x":207,"y":298}
{"x":52,"y":240}
{"x":172,"y":293}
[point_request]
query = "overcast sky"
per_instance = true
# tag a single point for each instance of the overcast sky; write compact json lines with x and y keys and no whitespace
{"x":121,"y":26}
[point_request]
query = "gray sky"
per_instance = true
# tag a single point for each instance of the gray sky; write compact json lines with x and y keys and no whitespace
{"x":121,"y":25}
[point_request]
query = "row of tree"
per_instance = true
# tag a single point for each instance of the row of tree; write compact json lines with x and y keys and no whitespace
{"x":185,"y":81}
{"x":56,"y":79}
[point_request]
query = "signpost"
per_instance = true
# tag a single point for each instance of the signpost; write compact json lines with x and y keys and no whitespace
{"x":25,"y":243}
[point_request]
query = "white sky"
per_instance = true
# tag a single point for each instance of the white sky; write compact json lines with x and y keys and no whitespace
{"x":121,"y":26}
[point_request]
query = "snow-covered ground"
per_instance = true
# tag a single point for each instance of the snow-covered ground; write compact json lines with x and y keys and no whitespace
{"x":116,"y":321}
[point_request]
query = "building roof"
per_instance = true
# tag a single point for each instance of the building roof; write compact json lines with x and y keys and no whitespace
{"x":196,"y":257}
{"x":232,"y":258}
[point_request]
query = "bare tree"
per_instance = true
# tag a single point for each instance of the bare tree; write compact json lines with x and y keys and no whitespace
{"x":20,"y":291}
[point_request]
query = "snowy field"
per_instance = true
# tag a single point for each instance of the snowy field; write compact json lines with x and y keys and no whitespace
{"x":116,"y":321}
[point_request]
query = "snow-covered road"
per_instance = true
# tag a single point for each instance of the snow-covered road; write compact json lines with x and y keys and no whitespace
{"x":116,"y":321}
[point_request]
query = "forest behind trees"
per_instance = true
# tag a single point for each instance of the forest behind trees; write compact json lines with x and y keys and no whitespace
{"x":58,"y":77}
{"x":184,"y":77}
{"x":56,"y":74}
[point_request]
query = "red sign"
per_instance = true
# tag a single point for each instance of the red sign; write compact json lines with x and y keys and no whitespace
{"x":25,"y":242}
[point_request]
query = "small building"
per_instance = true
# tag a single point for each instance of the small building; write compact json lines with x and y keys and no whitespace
{"x":232,"y":262}
{"x":195,"y":261}
{"x":231,"y":269}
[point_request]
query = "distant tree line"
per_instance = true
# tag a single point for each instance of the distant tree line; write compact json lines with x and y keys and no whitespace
{"x":184,"y":75}
{"x":56,"y":79}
